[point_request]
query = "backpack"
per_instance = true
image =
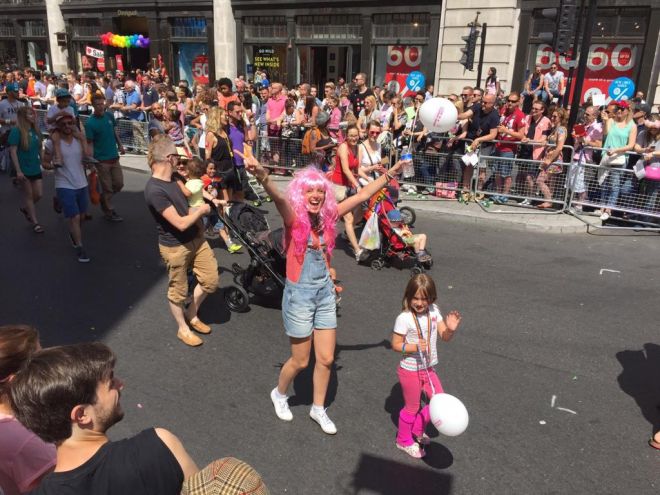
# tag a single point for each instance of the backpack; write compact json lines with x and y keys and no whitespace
{"x":307,"y":140}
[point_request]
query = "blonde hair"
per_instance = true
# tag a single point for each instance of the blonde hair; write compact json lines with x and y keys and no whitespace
{"x":214,"y":120}
{"x":372,"y":99}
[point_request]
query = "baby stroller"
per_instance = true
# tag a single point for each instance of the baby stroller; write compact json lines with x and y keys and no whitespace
{"x":264,"y":275}
{"x":393,"y":248}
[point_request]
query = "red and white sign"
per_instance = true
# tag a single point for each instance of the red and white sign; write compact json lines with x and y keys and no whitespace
{"x":606,"y":62}
{"x":120,"y":63}
{"x":93,"y":52}
{"x":200,"y":69}
{"x":86,"y":63}
{"x":100,"y":64}
{"x":401,"y":61}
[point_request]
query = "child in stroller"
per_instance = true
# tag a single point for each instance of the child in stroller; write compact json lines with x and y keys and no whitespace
{"x":417,"y":241}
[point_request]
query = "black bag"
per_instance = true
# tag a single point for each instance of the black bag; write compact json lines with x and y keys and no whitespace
{"x":247,"y":218}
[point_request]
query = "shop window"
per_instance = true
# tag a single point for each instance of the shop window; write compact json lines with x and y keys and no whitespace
{"x":329,"y":27}
{"x":188,"y":27}
{"x":256,"y":27}
{"x":34,"y":28}
{"x":400,"y":26}
{"x":192,"y":62}
{"x":87,"y":28}
{"x":610,"y":23}
{"x":633,"y":23}
{"x":6,"y":29}
{"x":606,"y":22}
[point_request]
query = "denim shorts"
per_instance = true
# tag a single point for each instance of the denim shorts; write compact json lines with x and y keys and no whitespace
{"x":308,"y":307}
{"x":74,"y":201}
{"x":503,"y":168}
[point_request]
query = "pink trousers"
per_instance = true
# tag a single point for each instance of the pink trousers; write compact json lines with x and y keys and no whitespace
{"x":412,"y":421}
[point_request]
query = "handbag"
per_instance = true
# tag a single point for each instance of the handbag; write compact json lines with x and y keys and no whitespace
{"x":370,"y":237}
{"x":93,"y":181}
{"x":446,"y":190}
{"x":652,"y":173}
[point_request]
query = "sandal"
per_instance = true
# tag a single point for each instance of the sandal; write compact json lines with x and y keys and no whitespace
{"x":38,"y":229}
{"x":27,"y":215}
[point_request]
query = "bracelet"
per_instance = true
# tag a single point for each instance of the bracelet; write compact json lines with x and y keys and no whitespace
{"x":403,"y":348}
{"x":389,"y":176}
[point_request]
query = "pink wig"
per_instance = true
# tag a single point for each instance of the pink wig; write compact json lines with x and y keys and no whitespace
{"x":306,"y":179}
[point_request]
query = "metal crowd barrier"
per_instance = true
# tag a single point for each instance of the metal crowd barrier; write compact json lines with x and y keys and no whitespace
{"x":529,"y":188}
{"x":133,"y":134}
{"x":634,"y":203}
{"x":282,"y":154}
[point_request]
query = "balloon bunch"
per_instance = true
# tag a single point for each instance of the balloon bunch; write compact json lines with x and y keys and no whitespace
{"x":132,"y":41}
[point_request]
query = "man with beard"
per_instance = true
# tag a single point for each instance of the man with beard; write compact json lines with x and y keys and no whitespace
{"x":360,"y":93}
{"x":70,"y":396}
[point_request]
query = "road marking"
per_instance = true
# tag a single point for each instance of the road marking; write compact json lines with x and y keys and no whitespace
{"x":608,"y":270}
{"x":566,"y":410}
{"x":552,"y":401}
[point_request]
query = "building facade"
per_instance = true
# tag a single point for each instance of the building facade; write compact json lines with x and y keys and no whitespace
{"x":317,"y":41}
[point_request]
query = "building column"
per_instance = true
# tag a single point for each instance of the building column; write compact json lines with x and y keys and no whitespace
{"x":166,"y":52}
{"x":209,"y":42}
{"x":291,"y":76}
{"x":20,"y":54}
{"x":240,"y":53}
{"x":429,"y":59}
{"x":159,"y":38}
{"x":58,"y":54}
{"x":224,"y":39}
{"x":365,"y":51}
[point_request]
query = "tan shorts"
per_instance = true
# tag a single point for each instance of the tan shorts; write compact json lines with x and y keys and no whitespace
{"x":111,"y":176}
{"x":340,"y":192}
{"x":197,"y":255}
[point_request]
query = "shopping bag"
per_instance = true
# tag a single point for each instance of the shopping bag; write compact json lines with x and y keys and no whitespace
{"x":446,"y":190}
{"x":94,"y":195}
{"x":639,"y":170}
{"x":370,"y":238}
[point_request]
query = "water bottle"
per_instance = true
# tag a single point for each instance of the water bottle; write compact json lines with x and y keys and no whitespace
{"x":408,"y":167}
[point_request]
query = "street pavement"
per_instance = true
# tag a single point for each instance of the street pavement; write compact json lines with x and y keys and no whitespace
{"x":557,"y":359}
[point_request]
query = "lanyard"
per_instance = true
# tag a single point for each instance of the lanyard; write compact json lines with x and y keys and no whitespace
{"x":420,"y":334}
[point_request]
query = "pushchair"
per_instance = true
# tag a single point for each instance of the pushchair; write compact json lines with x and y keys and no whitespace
{"x":264,"y":275}
{"x":393,"y":249}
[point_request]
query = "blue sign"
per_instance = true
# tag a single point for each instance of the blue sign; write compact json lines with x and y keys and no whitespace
{"x":622,"y":88}
{"x":415,"y":81}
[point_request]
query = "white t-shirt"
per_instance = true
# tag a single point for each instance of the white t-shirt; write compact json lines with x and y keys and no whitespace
{"x":202,"y":137}
{"x":71,"y":175}
{"x":8,"y":110}
{"x":405,"y":325}
{"x":77,"y":92}
{"x":554,"y":81}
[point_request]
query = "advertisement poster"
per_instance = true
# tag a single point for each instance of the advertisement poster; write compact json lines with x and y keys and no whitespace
{"x":607,"y":62}
{"x":272,"y":59}
{"x":193,"y":62}
{"x":401,"y":61}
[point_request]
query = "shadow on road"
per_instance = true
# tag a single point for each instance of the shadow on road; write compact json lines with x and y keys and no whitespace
{"x":640,"y":378}
{"x":387,"y":477}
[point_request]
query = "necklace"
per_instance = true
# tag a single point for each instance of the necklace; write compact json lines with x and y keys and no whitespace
{"x":420,"y":334}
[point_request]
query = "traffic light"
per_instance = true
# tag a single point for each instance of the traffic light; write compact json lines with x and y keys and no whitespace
{"x":467,"y":60}
{"x":565,"y":18}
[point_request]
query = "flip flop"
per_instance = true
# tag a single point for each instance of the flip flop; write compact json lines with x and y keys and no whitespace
{"x":38,"y":229}
{"x":27,"y":215}
{"x":654,"y":444}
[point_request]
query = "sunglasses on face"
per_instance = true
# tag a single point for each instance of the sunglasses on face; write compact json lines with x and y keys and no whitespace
{"x":465,"y":96}
{"x":512,"y":101}
{"x":374,"y":133}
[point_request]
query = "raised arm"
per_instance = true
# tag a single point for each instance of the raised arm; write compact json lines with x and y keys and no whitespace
{"x":369,"y":190}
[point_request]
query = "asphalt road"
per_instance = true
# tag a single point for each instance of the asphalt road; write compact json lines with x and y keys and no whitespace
{"x":557,"y":360}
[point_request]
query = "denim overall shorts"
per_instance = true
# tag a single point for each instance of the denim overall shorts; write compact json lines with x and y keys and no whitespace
{"x":310,"y":303}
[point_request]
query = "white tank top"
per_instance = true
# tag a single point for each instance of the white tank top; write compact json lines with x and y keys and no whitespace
{"x":365,"y":161}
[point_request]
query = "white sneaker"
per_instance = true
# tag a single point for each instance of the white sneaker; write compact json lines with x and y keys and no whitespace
{"x":605,"y":216}
{"x":281,"y":406}
{"x":413,"y":450}
{"x":323,"y":420}
{"x":358,"y":254}
{"x":527,"y":202}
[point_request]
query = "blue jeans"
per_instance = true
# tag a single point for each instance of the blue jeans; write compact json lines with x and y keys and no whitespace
{"x":611,"y":188}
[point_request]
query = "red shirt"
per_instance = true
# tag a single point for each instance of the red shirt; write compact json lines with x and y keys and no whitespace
{"x":514,"y":121}
{"x":338,"y":176}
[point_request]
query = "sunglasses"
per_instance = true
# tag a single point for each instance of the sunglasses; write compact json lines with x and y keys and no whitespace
{"x":465,"y":96}
{"x":374,"y":133}
{"x":512,"y":101}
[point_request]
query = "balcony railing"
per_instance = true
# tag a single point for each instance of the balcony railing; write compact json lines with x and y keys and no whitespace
{"x":22,"y":2}
{"x":265,"y":31}
{"x":403,"y":31}
{"x":329,"y":32}
{"x":34,"y":28}
{"x":85,"y":31}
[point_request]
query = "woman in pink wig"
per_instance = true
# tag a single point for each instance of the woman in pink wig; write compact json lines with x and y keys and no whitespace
{"x":309,"y":212}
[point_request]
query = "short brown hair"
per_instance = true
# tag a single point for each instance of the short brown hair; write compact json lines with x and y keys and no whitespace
{"x":56,"y":380}
{"x":160,"y":148}
{"x":17,"y":344}
{"x":419,"y":282}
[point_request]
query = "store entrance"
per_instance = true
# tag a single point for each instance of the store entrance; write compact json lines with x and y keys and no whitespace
{"x":134,"y":58}
{"x":318,"y":64}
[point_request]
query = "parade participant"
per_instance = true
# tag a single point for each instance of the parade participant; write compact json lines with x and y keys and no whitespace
{"x":103,"y":138}
{"x":241,"y":131}
{"x":309,"y":213}
{"x":25,"y":151}
{"x":24,"y":457}
{"x":70,"y":181}
{"x":180,"y":240}
{"x":415,"y":336}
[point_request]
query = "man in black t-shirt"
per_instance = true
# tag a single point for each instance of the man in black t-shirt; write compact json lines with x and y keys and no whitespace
{"x":180,"y":240}
{"x":360,"y":93}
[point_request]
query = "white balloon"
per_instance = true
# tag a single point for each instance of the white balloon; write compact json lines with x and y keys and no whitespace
{"x":448,"y":414}
{"x":438,"y":114}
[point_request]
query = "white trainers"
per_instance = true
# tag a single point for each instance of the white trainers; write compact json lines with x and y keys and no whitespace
{"x":413,"y":450}
{"x":281,"y":406}
{"x":323,"y":420}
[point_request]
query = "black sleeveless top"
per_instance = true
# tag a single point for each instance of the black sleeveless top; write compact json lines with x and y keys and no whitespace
{"x":222,"y":155}
{"x":142,"y":464}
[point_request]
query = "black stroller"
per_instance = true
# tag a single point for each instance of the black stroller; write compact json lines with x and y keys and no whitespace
{"x":264,"y":275}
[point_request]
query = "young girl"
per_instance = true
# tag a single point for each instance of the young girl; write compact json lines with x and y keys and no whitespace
{"x":415,"y":337}
{"x":212,"y":185}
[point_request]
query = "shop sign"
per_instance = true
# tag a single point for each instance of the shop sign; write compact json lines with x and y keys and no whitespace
{"x":120,"y":63}
{"x":401,"y":61}
{"x":100,"y":64}
{"x":93,"y":52}
{"x":200,"y":69}
{"x":266,"y":58}
{"x":606,"y":62}
{"x":127,"y":13}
